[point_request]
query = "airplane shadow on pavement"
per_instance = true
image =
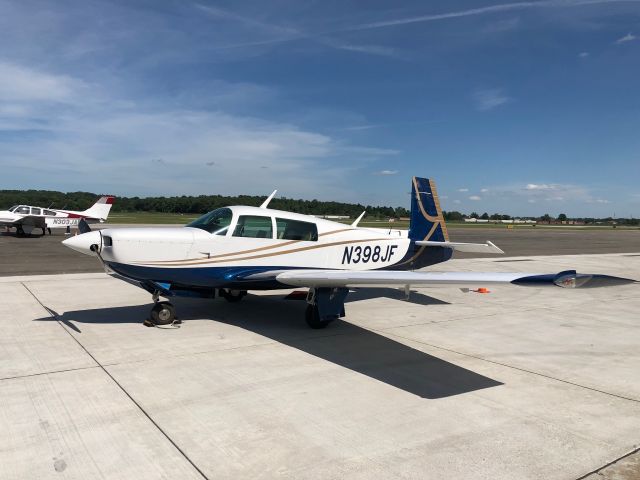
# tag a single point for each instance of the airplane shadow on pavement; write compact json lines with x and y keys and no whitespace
{"x":342,"y":343}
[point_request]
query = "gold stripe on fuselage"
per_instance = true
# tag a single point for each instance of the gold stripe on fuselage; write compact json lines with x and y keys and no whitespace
{"x":243,"y":252}
{"x":274,"y":254}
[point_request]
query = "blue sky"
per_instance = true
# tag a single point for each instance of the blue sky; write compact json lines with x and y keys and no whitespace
{"x":523,"y":108}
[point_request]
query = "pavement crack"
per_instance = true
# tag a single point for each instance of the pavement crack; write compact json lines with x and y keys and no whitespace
{"x":598,"y":471}
{"x":119,"y":385}
{"x":51,"y":372}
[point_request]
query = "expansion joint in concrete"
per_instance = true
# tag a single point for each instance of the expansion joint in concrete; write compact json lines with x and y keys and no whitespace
{"x":517,"y":368}
{"x":598,"y":471}
{"x":102,"y":367}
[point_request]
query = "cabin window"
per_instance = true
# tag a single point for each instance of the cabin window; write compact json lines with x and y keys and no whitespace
{"x":50,"y":213}
{"x":22,"y":210}
{"x":253,"y":227}
{"x":35,"y":211}
{"x":216,"y":222}
{"x":296,"y":230}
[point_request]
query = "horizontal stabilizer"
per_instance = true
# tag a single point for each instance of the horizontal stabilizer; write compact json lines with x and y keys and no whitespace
{"x":488,"y":247}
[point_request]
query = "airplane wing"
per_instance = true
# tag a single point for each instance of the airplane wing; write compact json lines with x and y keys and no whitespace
{"x":34,"y":220}
{"x":386,"y":278}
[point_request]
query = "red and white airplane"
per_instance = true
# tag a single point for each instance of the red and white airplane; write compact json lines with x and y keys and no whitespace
{"x":24,"y":218}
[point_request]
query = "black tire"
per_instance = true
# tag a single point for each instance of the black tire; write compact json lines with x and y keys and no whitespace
{"x":312,"y":316}
{"x":230,"y":297}
{"x":20,"y":232}
{"x":163,"y":313}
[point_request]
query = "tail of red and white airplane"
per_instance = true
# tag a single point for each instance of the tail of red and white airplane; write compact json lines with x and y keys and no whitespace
{"x":100,"y":209}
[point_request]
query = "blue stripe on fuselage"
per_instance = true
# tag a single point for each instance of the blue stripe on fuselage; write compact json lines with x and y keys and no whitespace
{"x":215,"y":277}
{"x":235,"y":277}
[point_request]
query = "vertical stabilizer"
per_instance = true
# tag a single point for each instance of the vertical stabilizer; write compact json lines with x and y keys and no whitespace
{"x":100,"y":209}
{"x":427,"y":222}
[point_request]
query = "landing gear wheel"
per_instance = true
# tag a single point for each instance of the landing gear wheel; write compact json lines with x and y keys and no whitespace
{"x":312,"y":316}
{"x":232,"y":296}
{"x":20,"y":231}
{"x":163,"y":313}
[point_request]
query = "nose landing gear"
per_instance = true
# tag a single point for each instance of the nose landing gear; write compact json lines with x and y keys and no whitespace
{"x":162,"y":313}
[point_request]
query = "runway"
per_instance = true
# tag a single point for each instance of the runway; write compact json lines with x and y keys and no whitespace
{"x":521,"y":383}
{"x":42,"y":255}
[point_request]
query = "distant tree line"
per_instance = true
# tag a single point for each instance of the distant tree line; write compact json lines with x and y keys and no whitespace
{"x":191,"y":204}
{"x":204,"y":203}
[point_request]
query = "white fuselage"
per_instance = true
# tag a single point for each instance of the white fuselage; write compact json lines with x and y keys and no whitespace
{"x":338,"y":246}
{"x":29,"y":217}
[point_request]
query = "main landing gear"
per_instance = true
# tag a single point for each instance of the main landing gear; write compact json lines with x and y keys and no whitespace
{"x":232,"y":296}
{"x":324,"y":305}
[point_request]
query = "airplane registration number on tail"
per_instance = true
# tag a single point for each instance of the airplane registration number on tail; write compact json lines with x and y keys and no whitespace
{"x":367,"y":253}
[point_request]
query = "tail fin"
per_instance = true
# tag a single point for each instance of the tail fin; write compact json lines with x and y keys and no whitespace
{"x":100,"y":209}
{"x":427,"y":222}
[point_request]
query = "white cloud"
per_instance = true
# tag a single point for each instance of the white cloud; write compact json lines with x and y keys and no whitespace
{"x":369,"y":49}
{"x":475,"y":198}
{"x":457,"y":202}
{"x":463,"y":189}
{"x":484,"y":190}
{"x":386,"y":172}
{"x":87,"y":139}
{"x":629,"y":37}
{"x":489,"y":99}
{"x":536,"y":186}
{"x":505,"y":7}
{"x":583,"y":54}
{"x":18,"y":83}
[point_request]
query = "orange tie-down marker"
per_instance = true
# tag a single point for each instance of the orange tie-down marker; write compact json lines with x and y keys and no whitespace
{"x":482,"y":290}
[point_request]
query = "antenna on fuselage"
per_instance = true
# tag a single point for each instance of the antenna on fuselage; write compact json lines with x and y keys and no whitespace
{"x":266,"y":202}
{"x":357,"y":221}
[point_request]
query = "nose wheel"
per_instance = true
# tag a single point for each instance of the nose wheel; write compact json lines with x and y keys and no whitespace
{"x":163,"y":313}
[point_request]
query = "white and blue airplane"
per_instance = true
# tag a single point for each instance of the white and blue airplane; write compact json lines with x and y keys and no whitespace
{"x":231,"y":250}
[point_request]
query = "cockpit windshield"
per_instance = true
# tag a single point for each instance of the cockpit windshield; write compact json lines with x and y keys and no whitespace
{"x":216,"y":222}
{"x":12,"y":208}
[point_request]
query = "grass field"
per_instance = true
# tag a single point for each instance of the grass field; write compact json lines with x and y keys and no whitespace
{"x":181,"y":219}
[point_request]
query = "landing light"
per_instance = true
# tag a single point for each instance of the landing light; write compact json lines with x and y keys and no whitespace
{"x":572,"y":280}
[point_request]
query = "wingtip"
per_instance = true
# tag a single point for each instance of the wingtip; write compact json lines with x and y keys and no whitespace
{"x":496,"y":248}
